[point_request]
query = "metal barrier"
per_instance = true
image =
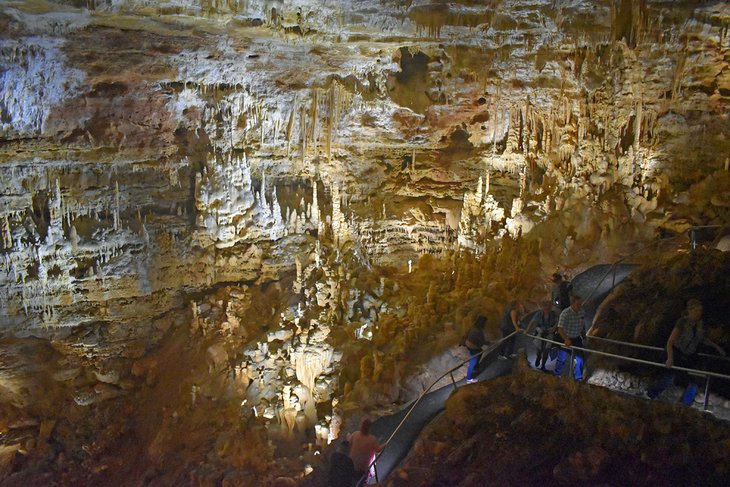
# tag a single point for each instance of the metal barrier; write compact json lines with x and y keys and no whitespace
{"x":612,"y":268}
{"x":651,"y":347}
{"x":494,"y":347}
{"x":702,"y":373}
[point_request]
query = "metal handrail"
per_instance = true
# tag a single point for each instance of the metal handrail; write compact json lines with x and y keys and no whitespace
{"x":612,"y":268}
{"x":704,"y":373}
{"x":633,"y":359}
{"x":451,"y":371}
{"x":496,"y":345}
{"x":651,"y":347}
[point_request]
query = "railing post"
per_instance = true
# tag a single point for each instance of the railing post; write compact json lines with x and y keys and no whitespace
{"x":707,"y":392}
{"x":452,"y":380}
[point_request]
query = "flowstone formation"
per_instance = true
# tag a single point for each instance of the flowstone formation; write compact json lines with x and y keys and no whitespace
{"x":300,"y":205}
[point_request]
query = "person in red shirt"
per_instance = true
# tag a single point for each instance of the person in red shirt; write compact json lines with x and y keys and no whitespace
{"x":363,"y":447}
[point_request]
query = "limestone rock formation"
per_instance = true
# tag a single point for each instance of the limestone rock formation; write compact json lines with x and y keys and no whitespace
{"x":293,"y":197}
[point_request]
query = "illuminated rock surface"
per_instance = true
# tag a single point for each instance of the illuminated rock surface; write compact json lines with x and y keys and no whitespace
{"x":210,"y":210}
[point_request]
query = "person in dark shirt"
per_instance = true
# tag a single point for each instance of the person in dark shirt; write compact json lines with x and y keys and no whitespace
{"x":682,"y":350}
{"x":475,"y":342}
{"x":342,"y":470}
{"x":544,"y":323}
{"x":510,"y":324}
{"x":560,"y":292}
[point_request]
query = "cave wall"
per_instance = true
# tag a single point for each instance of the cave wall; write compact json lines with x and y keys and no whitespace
{"x":155,"y":148}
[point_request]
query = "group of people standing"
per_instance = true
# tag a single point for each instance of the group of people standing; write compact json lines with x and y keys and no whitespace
{"x":562,"y":320}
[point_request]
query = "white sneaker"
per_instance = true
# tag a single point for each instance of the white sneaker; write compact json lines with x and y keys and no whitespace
{"x":471,"y":381}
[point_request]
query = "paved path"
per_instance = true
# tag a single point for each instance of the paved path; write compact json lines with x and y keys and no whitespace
{"x":596,"y":282}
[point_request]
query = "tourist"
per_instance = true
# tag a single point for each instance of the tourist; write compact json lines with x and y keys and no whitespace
{"x":687,"y":335}
{"x":363,"y":447}
{"x":560,"y":292}
{"x":342,"y":470}
{"x":510,"y":323}
{"x":571,"y":326}
{"x":544,"y":323}
{"x":475,"y":342}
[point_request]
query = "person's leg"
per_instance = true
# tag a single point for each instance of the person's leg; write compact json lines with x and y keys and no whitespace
{"x":540,"y":355}
{"x":504,"y":349}
{"x":578,"y":371}
{"x":579,"y":359}
{"x":359,"y":478}
{"x":545,"y":354}
{"x":560,"y":362}
{"x":481,"y":365}
{"x":510,"y":346}
{"x":689,"y":393}
{"x":472,"y":364}
{"x":659,"y":385}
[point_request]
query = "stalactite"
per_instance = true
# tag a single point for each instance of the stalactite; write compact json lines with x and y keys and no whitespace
{"x":303,"y":134}
{"x":290,"y":126}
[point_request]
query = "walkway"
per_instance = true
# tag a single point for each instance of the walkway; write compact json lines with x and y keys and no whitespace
{"x":593,"y":284}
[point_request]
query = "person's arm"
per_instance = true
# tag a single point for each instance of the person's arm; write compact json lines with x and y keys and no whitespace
{"x":471,"y":344}
{"x":564,"y":336}
{"x":515,"y":321}
{"x":561,"y":331}
{"x":533,"y":324}
{"x":670,"y":346}
{"x":714,"y":345}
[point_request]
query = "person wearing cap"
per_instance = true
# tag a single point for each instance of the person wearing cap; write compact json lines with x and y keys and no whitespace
{"x":687,"y":335}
